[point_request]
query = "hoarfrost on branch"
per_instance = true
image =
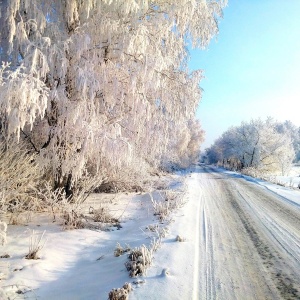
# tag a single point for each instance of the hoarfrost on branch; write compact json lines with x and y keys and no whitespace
{"x":100,"y":86}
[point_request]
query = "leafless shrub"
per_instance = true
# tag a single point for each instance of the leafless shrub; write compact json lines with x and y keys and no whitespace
{"x":251,"y":171}
{"x":117,"y":186}
{"x":60,"y":206}
{"x":66,"y":208}
{"x":155,"y":244}
{"x":161,"y":183}
{"x":72,"y":217}
{"x":152,"y":228}
{"x":121,"y":293}
{"x":51,"y":198}
{"x":139,"y":259}
{"x":289,"y":184}
{"x":72,"y":208}
{"x":133,"y":177}
{"x":102,"y":215}
{"x":168,"y":201}
{"x":14,"y":218}
{"x":35,"y":245}
{"x":159,"y":231}
{"x":119,"y":250}
{"x":161,"y":209}
{"x":259,"y":173}
{"x":280,"y":183}
{"x":19,"y":177}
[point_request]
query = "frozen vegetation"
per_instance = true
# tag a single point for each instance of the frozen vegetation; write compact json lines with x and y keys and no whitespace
{"x":258,"y":148}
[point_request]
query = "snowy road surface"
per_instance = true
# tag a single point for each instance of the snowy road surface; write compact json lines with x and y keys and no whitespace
{"x":249,"y":240}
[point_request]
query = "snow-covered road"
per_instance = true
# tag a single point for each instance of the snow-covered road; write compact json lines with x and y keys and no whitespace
{"x":249,"y":240}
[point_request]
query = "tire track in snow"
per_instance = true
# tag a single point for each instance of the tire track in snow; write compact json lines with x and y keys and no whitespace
{"x":208,"y":256}
{"x":197,"y":255}
{"x":203,"y":282}
{"x":284,"y":283}
{"x":272,"y":219}
{"x":277,"y":227}
{"x":230,"y":268}
{"x":273,"y":227}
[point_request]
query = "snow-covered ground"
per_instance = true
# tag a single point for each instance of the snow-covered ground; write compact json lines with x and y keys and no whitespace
{"x":217,"y":257}
{"x":80,"y":264}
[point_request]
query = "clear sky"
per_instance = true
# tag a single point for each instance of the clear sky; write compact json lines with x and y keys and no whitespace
{"x":252,"y":68}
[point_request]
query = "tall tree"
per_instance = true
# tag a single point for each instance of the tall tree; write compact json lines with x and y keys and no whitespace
{"x":98,"y":85}
{"x":289,"y":128}
{"x":257,"y":144}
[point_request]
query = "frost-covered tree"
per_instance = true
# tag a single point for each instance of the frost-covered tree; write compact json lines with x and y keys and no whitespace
{"x":185,"y":147}
{"x":289,"y":128}
{"x":257,"y":144}
{"x":100,"y":86}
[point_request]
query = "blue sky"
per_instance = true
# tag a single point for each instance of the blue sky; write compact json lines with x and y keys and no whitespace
{"x":252,"y":68}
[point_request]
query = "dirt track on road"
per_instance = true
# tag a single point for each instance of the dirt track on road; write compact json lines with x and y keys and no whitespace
{"x":249,"y":240}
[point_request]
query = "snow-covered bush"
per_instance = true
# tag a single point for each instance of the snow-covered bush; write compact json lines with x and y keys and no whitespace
{"x":50,"y":198}
{"x":139,"y":259}
{"x":72,"y":207}
{"x":119,"y":250}
{"x":161,"y":208}
{"x":160,"y":231}
{"x":120,"y":293}
{"x":166,"y":202}
{"x":253,"y":172}
{"x":72,"y":217}
{"x":19,"y":178}
{"x":69,"y":209}
{"x":102,"y":215}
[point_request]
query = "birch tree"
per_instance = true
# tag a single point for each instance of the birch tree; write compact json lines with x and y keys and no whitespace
{"x":98,"y":86}
{"x":289,"y":128}
{"x":257,"y":144}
